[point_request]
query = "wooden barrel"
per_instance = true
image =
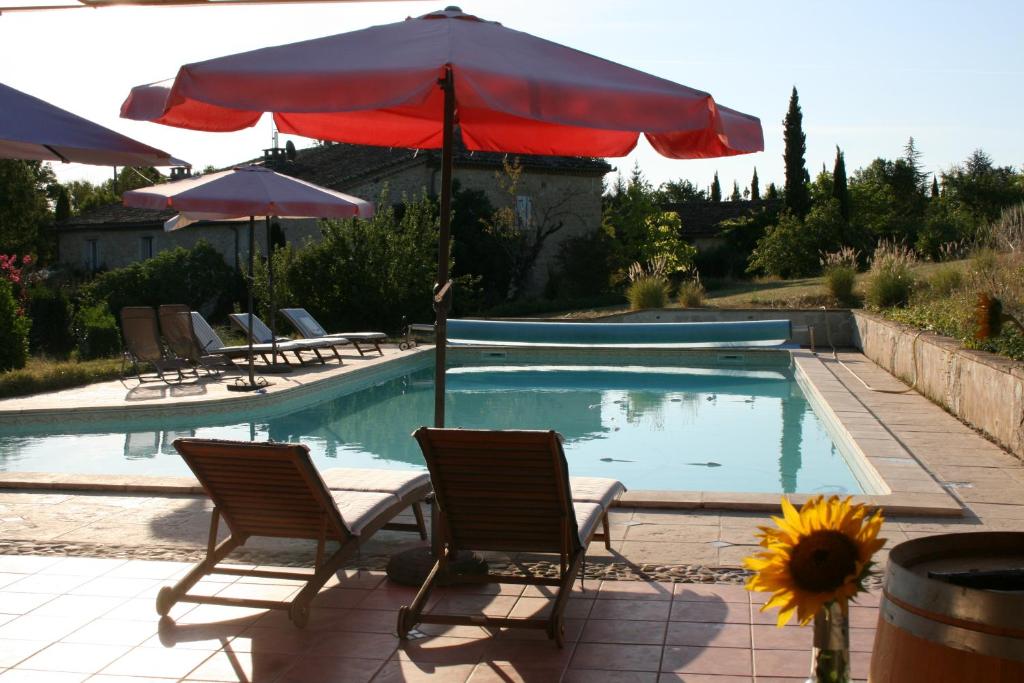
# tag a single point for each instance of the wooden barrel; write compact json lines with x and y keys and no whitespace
{"x":930,"y":629}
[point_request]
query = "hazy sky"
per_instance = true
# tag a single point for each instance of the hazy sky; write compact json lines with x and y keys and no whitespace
{"x":870,"y":74}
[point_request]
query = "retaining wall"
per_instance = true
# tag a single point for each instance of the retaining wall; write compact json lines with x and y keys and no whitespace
{"x":982,"y":389}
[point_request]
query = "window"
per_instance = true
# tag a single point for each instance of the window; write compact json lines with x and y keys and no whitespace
{"x":145,"y":247}
{"x":524,"y":209}
{"x":92,"y":255}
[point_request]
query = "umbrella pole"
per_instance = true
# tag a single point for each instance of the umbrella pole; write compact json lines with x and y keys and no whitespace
{"x":270,"y":286}
{"x":442,"y":288}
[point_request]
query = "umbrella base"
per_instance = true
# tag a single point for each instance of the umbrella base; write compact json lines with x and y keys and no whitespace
{"x":411,"y":567}
{"x":244,"y":385}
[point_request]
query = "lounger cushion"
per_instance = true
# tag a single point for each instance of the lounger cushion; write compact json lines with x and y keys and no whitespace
{"x":588,"y":516}
{"x":399,"y":482}
{"x":596,"y":490}
{"x":360,"y":508}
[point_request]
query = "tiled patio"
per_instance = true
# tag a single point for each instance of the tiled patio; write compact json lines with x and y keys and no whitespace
{"x":67,"y":620}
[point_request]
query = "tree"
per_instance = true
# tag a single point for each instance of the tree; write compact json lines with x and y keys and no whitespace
{"x":679,"y":192}
{"x":935,"y":186}
{"x":981,"y":188}
{"x":735,"y":196}
{"x":913,"y":158}
{"x":755,"y":187}
{"x":797,"y":198}
{"x":773,"y":192}
{"x":716,"y":189}
{"x":24,"y":206}
{"x":840,"y":189}
{"x":62,"y":209}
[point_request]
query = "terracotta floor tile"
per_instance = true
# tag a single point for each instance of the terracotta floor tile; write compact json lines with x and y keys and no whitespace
{"x":713,"y":611}
{"x":114,"y":586}
{"x":23,"y":603}
{"x":83,"y":566}
{"x":490,"y":605}
{"x":593,"y":676}
{"x":144,"y":609}
{"x":493,"y":672}
{"x":634,"y":590}
{"x":145,"y":661}
{"x":14,"y":651}
{"x":697,"y":592}
{"x":104,"y":678}
{"x":106,"y":631}
{"x":769,"y":637}
{"x":26,"y":564}
{"x":46,"y":583}
{"x":360,"y":645}
{"x":707,"y":634}
{"x":782,"y":662}
{"x":258,"y":591}
{"x":709,"y":678}
{"x":147,"y":569}
{"x":573,"y":630}
{"x":629,"y":610}
{"x":443,"y":650}
{"x":528,"y":654}
{"x":404,"y":671}
{"x":616,"y":657}
{"x":78,"y":605}
{"x":541,"y":607}
{"x":74,"y":657}
{"x":707,"y":660}
{"x":627,"y":632}
{"x":292,"y":641}
{"x":242,"y":667}
{"x":7,"y":578}
{"x":337,"y":596}
{"x":30,"y":676}
{"x":52,"y":629}
{"x":331,"y":670}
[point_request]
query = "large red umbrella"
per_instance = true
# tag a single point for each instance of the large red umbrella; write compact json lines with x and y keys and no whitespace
{"x":248,"y":191}
{"x":33,"y":129}
{"x":408,"y":84}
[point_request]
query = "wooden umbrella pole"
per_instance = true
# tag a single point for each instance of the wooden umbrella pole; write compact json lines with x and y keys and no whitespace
{"x":270,"y":287}
{"x":252,"y":275}
{"x":442,"y":288}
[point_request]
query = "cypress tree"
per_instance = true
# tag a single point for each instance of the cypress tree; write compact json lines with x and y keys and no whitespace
{"x":716,"y":190}
{"x":935,"y":186}
{"x":773,"y":192}
{"x":755,"y":187}
{"x":839,"y":186}
{"x":798,"y":197}
{"x":735,"y":196}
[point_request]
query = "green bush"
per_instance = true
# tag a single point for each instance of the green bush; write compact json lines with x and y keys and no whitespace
{"x":96,"y":332}
{"x":840,"y":281}
{"x":13,"y":330}
{"x":197,"y":277}
{"x":649,"y":291}
{"x":891,"y":280}
{"x":50,"y":310}
{"x":585,"y":265}
{"x":944,"y":281}
{"x":786,"y":250}
{"x":691,"y":294}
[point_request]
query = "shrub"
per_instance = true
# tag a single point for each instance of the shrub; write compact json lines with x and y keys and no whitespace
{"x":13,"y":329}
{"x":691,"y":290}
{"x":840,"y":274}
{"x":786,"y":250}
{"x":96,"y":332}
{"x":585,"y":265}
{"x":49,"y":308}
{"x":891,"y":279}
{"x":648,"y":291}
{"x":197,"y":277}
{"x":944,"y":281}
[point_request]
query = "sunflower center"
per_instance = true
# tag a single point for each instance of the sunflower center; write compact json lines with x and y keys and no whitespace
{"x":822,"y":561}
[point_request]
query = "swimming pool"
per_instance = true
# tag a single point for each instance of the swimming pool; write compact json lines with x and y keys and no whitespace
{"x":664,"y":423}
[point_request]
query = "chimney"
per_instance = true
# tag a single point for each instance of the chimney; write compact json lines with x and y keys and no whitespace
{"x":275,"y":157}
{"x":181,"y":172}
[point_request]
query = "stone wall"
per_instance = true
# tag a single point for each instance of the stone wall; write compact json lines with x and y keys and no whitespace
{"x":982,"y":389}
{"x":120,"y":247}
{"x":837,"y":323}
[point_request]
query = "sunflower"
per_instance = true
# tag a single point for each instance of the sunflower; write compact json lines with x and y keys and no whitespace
{"x":819,"y":554}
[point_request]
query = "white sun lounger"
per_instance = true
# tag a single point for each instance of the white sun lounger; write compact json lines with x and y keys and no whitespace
{"x":309,"y":328}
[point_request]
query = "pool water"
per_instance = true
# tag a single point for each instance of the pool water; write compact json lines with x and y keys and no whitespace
{"x":665,"y":428}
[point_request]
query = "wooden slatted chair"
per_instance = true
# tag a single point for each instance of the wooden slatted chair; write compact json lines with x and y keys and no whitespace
{"x":273,"y":489}
{"x":507,"y":491}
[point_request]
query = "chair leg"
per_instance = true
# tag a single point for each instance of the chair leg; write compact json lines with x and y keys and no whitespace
{"x":556,"y":623}
{"x":409,"y":616}
{"x":168,"y":596}
{"x":607,"y":531}
{"x":298,"y":610}
{"x":417,"y":512}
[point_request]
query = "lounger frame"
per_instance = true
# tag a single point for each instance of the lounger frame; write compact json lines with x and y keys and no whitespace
{"x":272,"y":489}
{"x":502,"y":491}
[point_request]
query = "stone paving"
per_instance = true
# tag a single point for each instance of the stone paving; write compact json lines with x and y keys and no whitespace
{"x":68,"y":620}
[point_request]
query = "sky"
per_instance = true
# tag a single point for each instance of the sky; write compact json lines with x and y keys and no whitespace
{"x":869,"y":74}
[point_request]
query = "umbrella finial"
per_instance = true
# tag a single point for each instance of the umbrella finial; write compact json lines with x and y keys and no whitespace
{"x":452,"y":8}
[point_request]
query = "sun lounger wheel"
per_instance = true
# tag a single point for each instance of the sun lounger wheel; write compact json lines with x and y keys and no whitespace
{"x":403,"y":628}
{"x":299,"y":614}
{"x":165,"y":600}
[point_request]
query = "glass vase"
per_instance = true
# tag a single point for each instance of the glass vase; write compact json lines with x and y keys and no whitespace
{"x":830,"y":658}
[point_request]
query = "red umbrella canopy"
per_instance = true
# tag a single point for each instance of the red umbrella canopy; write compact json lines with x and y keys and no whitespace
{"x":248,"y":191}
{"x":514,"y":92}
{"x":33,"y":129}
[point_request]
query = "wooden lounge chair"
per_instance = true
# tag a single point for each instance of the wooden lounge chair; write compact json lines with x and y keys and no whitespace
{"x":273,"y":489}
{"x":507,"y":491}
{"x":211,"y":343}
{"x":309,"y":328}
{"x":177,"y":329}
{"x":262,"y":334}
{"x":142,"y":346}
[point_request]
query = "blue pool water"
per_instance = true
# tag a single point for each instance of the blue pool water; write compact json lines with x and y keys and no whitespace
{"x":668,"y":428}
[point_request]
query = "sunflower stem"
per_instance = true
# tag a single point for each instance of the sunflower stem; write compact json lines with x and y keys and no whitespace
{"x":830,"y":658}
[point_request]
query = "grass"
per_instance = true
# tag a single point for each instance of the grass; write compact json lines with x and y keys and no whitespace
{"x":44,"y":374}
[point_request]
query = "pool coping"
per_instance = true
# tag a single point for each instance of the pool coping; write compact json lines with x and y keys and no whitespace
{"x":911,"y":488}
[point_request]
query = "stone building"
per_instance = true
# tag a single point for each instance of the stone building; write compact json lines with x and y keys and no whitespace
{"x":551,"y":190}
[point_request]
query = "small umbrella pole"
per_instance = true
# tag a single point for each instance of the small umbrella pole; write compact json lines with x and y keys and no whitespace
{"x":442,"y":289}
{"x":252,"y":274}
{"x":270,"y":287}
